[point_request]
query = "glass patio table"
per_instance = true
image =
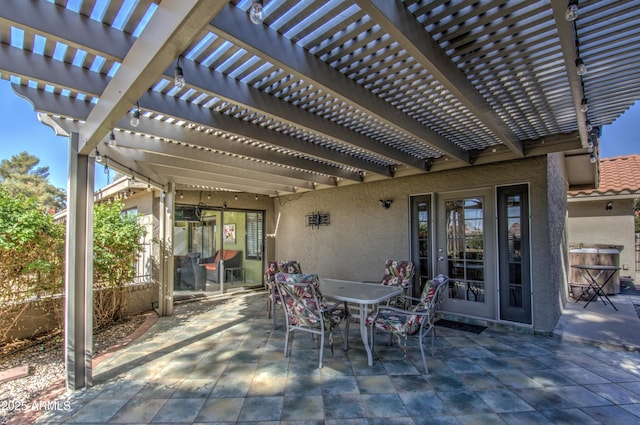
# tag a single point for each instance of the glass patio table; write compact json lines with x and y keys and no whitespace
{"x":363,"y":294}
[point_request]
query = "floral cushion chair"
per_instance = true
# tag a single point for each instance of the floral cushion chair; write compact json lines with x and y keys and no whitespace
{"x":398,"y":273}
{"x":274,"y":267}
{"x":417,"y":320}
{"x":307,"y":311}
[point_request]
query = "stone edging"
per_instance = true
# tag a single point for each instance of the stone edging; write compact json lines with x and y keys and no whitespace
{"x":58,"y":389}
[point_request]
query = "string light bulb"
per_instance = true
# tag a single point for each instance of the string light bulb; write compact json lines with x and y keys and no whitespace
{"x":581,"y":68}
{"x":178,"y":75}
{"x":589,"y":126}
{"x":135,"y":116}
{"x":572,"y":12}
{"x":584,"y":106}
{"x":112,"y":139}
{"x":256,"y":12}
{"x":98,"y":156}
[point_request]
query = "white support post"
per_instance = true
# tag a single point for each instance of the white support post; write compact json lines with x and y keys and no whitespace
{"x":166,"y":228}
{"x":79,"y":269}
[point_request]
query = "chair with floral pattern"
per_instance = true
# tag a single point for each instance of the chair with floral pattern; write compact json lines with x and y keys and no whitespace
{"x":398,"y":273}
{"x":274,"y":267}
{"x":417,"y":320}
{"x":307,"y":311}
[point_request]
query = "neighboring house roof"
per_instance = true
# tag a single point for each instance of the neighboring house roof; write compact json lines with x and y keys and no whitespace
{"x":619,"y":175}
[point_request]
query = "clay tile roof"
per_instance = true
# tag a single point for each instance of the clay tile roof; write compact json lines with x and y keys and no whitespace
{"x":620,"y":174}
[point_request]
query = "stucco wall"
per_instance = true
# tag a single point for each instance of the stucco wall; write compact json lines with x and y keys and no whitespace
{"x":45,"y":315}
{"x":590,"y":224}
{"x":362,"y":235}
{"x":555,"y":264}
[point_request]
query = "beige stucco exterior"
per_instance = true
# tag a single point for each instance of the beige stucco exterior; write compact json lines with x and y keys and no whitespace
{"x":592,"y":225}
{"x":362,"y":235}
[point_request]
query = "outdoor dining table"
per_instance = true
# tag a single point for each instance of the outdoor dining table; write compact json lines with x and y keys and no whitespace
{"x":363,"y":294}
{"x":598,"y":291}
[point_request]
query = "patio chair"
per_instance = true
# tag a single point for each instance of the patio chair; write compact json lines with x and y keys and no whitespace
{"x":417,"y":320}
{"x":398,"y":273}
{"x":274,"y":267}
{"x":307,"y":311}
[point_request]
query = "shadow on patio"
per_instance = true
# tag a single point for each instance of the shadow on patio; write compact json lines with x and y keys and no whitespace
{"x":221,"y":362}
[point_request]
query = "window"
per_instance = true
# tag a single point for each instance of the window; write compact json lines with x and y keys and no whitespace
{"x":513,"y":251}
{"x":254,"y":235}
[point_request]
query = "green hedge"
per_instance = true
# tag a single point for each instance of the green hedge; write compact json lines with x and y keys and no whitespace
{"x":32,"y":257}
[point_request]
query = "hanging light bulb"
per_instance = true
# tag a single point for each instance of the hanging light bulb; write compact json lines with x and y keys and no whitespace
{"x":98,"y":156}
{"x":149,"y":187}
{"x":592,"y":159}
{"x":112,"y":139}
{"x":256,"y":12}
{"x":135,"y":116}
{"x":584,"y":106}
{"x":181,"y":195}
{"x":589,"y":126}
{"x":209,"y":195}
{"x":572,"y":12}
{"x":178,"y":76}
{"x":581,"y":68}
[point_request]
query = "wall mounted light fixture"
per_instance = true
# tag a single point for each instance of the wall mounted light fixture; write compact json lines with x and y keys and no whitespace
{"x":609,"y":206}
{"x":316,"y":219}
{"x":386,"y":203}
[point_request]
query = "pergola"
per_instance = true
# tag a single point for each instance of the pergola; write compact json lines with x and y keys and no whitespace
{"x":317,"y":95}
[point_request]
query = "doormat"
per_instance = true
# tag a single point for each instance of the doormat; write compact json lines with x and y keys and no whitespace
{"x":466,"y":327}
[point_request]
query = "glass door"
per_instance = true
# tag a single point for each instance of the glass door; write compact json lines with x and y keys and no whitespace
{"x":242,"y":246}
{"x":464,"y":253}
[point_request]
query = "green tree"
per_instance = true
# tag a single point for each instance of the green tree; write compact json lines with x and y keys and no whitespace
{"x":21,"y":175}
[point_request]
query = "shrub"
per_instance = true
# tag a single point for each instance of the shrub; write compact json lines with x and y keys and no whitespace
{"x":32,"y":262}
{"x":31,"y":258}
{"x":116,"y":246}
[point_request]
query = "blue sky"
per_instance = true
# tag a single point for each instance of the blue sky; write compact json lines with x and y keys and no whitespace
{"x":20,"y":130}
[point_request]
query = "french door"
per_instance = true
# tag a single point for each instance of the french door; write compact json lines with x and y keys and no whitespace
{"x":466,"y":252}
{"x":482,"y":244}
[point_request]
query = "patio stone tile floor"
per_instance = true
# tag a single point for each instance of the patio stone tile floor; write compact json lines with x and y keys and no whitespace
{"x":222,"y":363}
